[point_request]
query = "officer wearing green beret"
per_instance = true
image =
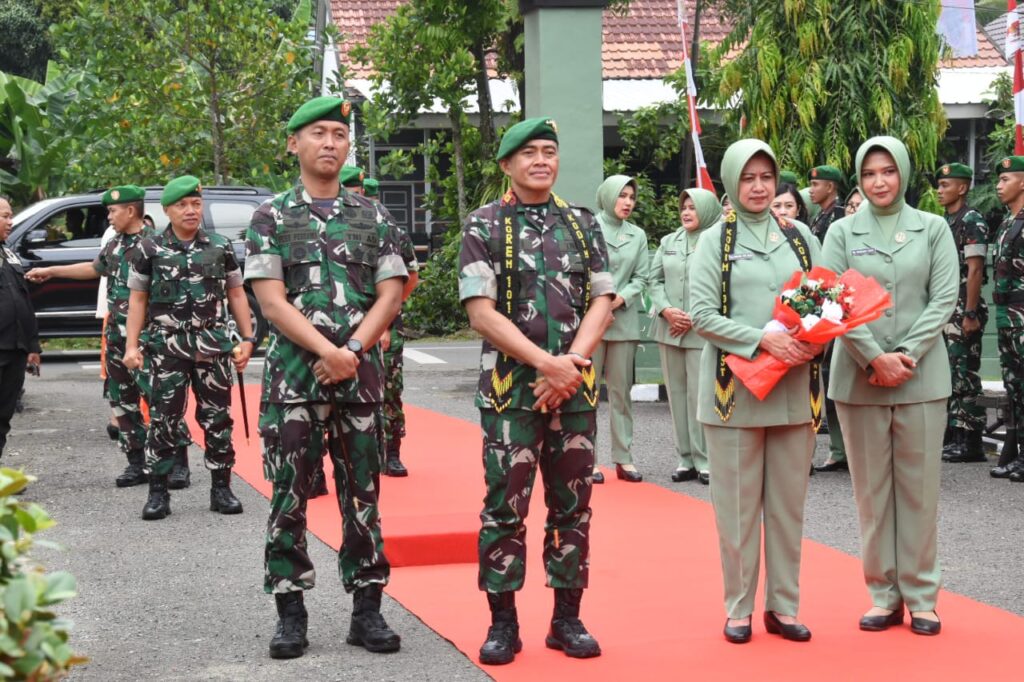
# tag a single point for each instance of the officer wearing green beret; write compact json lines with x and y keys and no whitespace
{"x":533,"y":275}
{"x":180,"y":281}
{"x":825,"y":183}
{"x":789,"y":177}
{"x":890,"y":380}
{"x":963,"y":333}
{"x":324,"y":264}
{"x":1008,"y":297}
{"x":352,"y":178}
{"x":125,"y":209}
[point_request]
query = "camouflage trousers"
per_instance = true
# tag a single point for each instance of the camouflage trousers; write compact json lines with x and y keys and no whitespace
{"x":294,"y":436}
{"x":121,"y":389}
{"x":516,"y":442}
{"x":394,"y":416}
{"x":169,"y":380}
{"x":1011,"y":359}
{"x":963,"y":410}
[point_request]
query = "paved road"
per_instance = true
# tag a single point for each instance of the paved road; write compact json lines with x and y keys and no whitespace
{"x":182,"y":600}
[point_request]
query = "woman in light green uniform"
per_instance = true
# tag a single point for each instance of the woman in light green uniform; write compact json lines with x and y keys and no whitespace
{"x":759,"y":451}
{"x":890,"y":381}
{"x":629,"y":263}
{"x":680,"y":347}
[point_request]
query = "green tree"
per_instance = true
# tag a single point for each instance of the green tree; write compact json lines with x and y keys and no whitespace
{"x":199,"y":86}
{"x":815,"y":78}
{"x":25,"y":46}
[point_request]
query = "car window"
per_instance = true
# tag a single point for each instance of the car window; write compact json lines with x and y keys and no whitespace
{"x":231,"y":218}
{"x":156,"y":212}
{"x":77,"y":227}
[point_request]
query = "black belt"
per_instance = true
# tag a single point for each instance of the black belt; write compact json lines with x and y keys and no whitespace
{"x":1007,"y":297}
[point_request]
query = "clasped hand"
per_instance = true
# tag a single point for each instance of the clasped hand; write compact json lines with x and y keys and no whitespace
{"x":557,"y":381}
{"x":679,"y":321}
{"x":336,"y":366}
{"x":786,"y":349}
{"x":891,"y":369}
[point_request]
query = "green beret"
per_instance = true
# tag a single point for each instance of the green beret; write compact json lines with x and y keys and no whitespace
{"x":524,"y":131}
{"x":955,"y":170}
{"x":179,"y":188}
{"x":1011,"y":164}
{"x":789,"y":177}
{"x":123,"y":194}
{"x":320,"y":109}
{"x":826,"y":172}
{"x":371,"y":187}
{"x":352,"y":176}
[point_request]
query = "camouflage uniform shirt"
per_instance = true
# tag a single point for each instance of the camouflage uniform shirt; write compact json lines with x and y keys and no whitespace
{"x":187,"y":284}
{"x":971,"y":235}
{"x":1008,"y":259}
{"x":819,"y":226}
{"x":551,"y":285}
{"x":330,"y":262}
{"x":114,"y":262}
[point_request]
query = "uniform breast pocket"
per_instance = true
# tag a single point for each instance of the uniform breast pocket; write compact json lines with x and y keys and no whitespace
{"x":168,"y":273}
{"x":575,"y":274}
{"x":361,"y":261}
{"x":213,"y":269}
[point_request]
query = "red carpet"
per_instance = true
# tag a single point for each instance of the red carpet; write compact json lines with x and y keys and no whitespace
{"x":655,"y":602}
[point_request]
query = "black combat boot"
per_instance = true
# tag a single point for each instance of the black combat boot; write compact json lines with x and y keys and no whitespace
{"x":112,"y":431}
{"x":502,"y":643}
{"x":953,"y":451}
{"x":369,"y":629}
{"x":289,"y":640}
{"x":180,"y":477}
{"x":567,"y":632}
{"x":158,"y":505}
{"x":319,"y":486}
{"x":221,"y":498}
{"x":393,"y":462}
{"x":1009,"y":457}
{"x":134,"y":474}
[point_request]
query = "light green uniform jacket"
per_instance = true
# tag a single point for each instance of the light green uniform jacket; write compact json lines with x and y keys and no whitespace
{"x":628,"y":261}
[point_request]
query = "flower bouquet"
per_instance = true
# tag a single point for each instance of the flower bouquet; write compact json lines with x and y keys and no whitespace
{"x":816,"y":307}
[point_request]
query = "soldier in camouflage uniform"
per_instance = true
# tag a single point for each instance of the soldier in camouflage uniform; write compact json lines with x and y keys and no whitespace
{"x":533,"y":277}
{"x":825,"y":182}
{"x":325,"y":266}
{"x":963,"y":333}
{"x":125,"y":208}
{"x":180,"y":282}
{"x":1008,"y":297}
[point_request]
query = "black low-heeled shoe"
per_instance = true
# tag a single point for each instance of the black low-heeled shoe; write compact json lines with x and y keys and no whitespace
{"x":737,"y":634}
{"x":597,"y":477}
{"x":880,"y":623}
{"x":923,"y":626}
{"x":627,"y":475}
{"x":794,"y":633}
{"x":680,"y":475}
{"x":704,"y":477}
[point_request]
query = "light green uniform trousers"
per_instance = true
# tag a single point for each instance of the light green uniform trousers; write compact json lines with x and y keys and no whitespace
{"x":895,"y":456}
{"x":681,"y":369}
{"x":755,"y":472}
{"x":614,"y":361}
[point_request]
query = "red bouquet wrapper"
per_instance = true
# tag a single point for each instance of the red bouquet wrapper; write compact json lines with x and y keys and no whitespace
{"x":865,"y":300}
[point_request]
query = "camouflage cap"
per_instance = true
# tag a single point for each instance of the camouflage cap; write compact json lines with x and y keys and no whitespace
{"x":371,"y":187}
{"x":525,"y":131}
{"x":352,"y":176}
{"x":123,"y":194}
{"x":955,"y":170}
{"x":179,"y":188}
{"x":324,"y":108}
{"x":826,"y":172}
{"x":1011,"y":164}
{"x":789,"y":177}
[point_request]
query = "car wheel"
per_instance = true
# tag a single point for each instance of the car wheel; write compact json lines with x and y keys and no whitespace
{"x":260,"y":326}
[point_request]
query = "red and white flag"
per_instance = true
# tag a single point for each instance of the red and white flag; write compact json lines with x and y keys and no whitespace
{"x":703,"y":176}
{"x":1013,"y":55}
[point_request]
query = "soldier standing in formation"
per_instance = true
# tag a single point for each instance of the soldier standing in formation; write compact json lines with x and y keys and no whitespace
{"x":19,"y":336}
{"x":964,"y":331}
{"x":393,"y":345}
{"x":325,"y":266}
{"x":533,"y":277}
{"x":180,"y":281}
{"x":125,"y":209}
{"x":1008,"y":297}
{"x":824,"y":192}
{"x":352,"y":178}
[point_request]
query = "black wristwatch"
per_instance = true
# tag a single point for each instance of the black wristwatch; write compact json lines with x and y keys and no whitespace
{"x":250,"y":339}
{"x":971,"y":314}
{"x":356,"y":346}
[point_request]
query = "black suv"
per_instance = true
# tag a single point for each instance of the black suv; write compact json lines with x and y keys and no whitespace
{"x":68,"y":229}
